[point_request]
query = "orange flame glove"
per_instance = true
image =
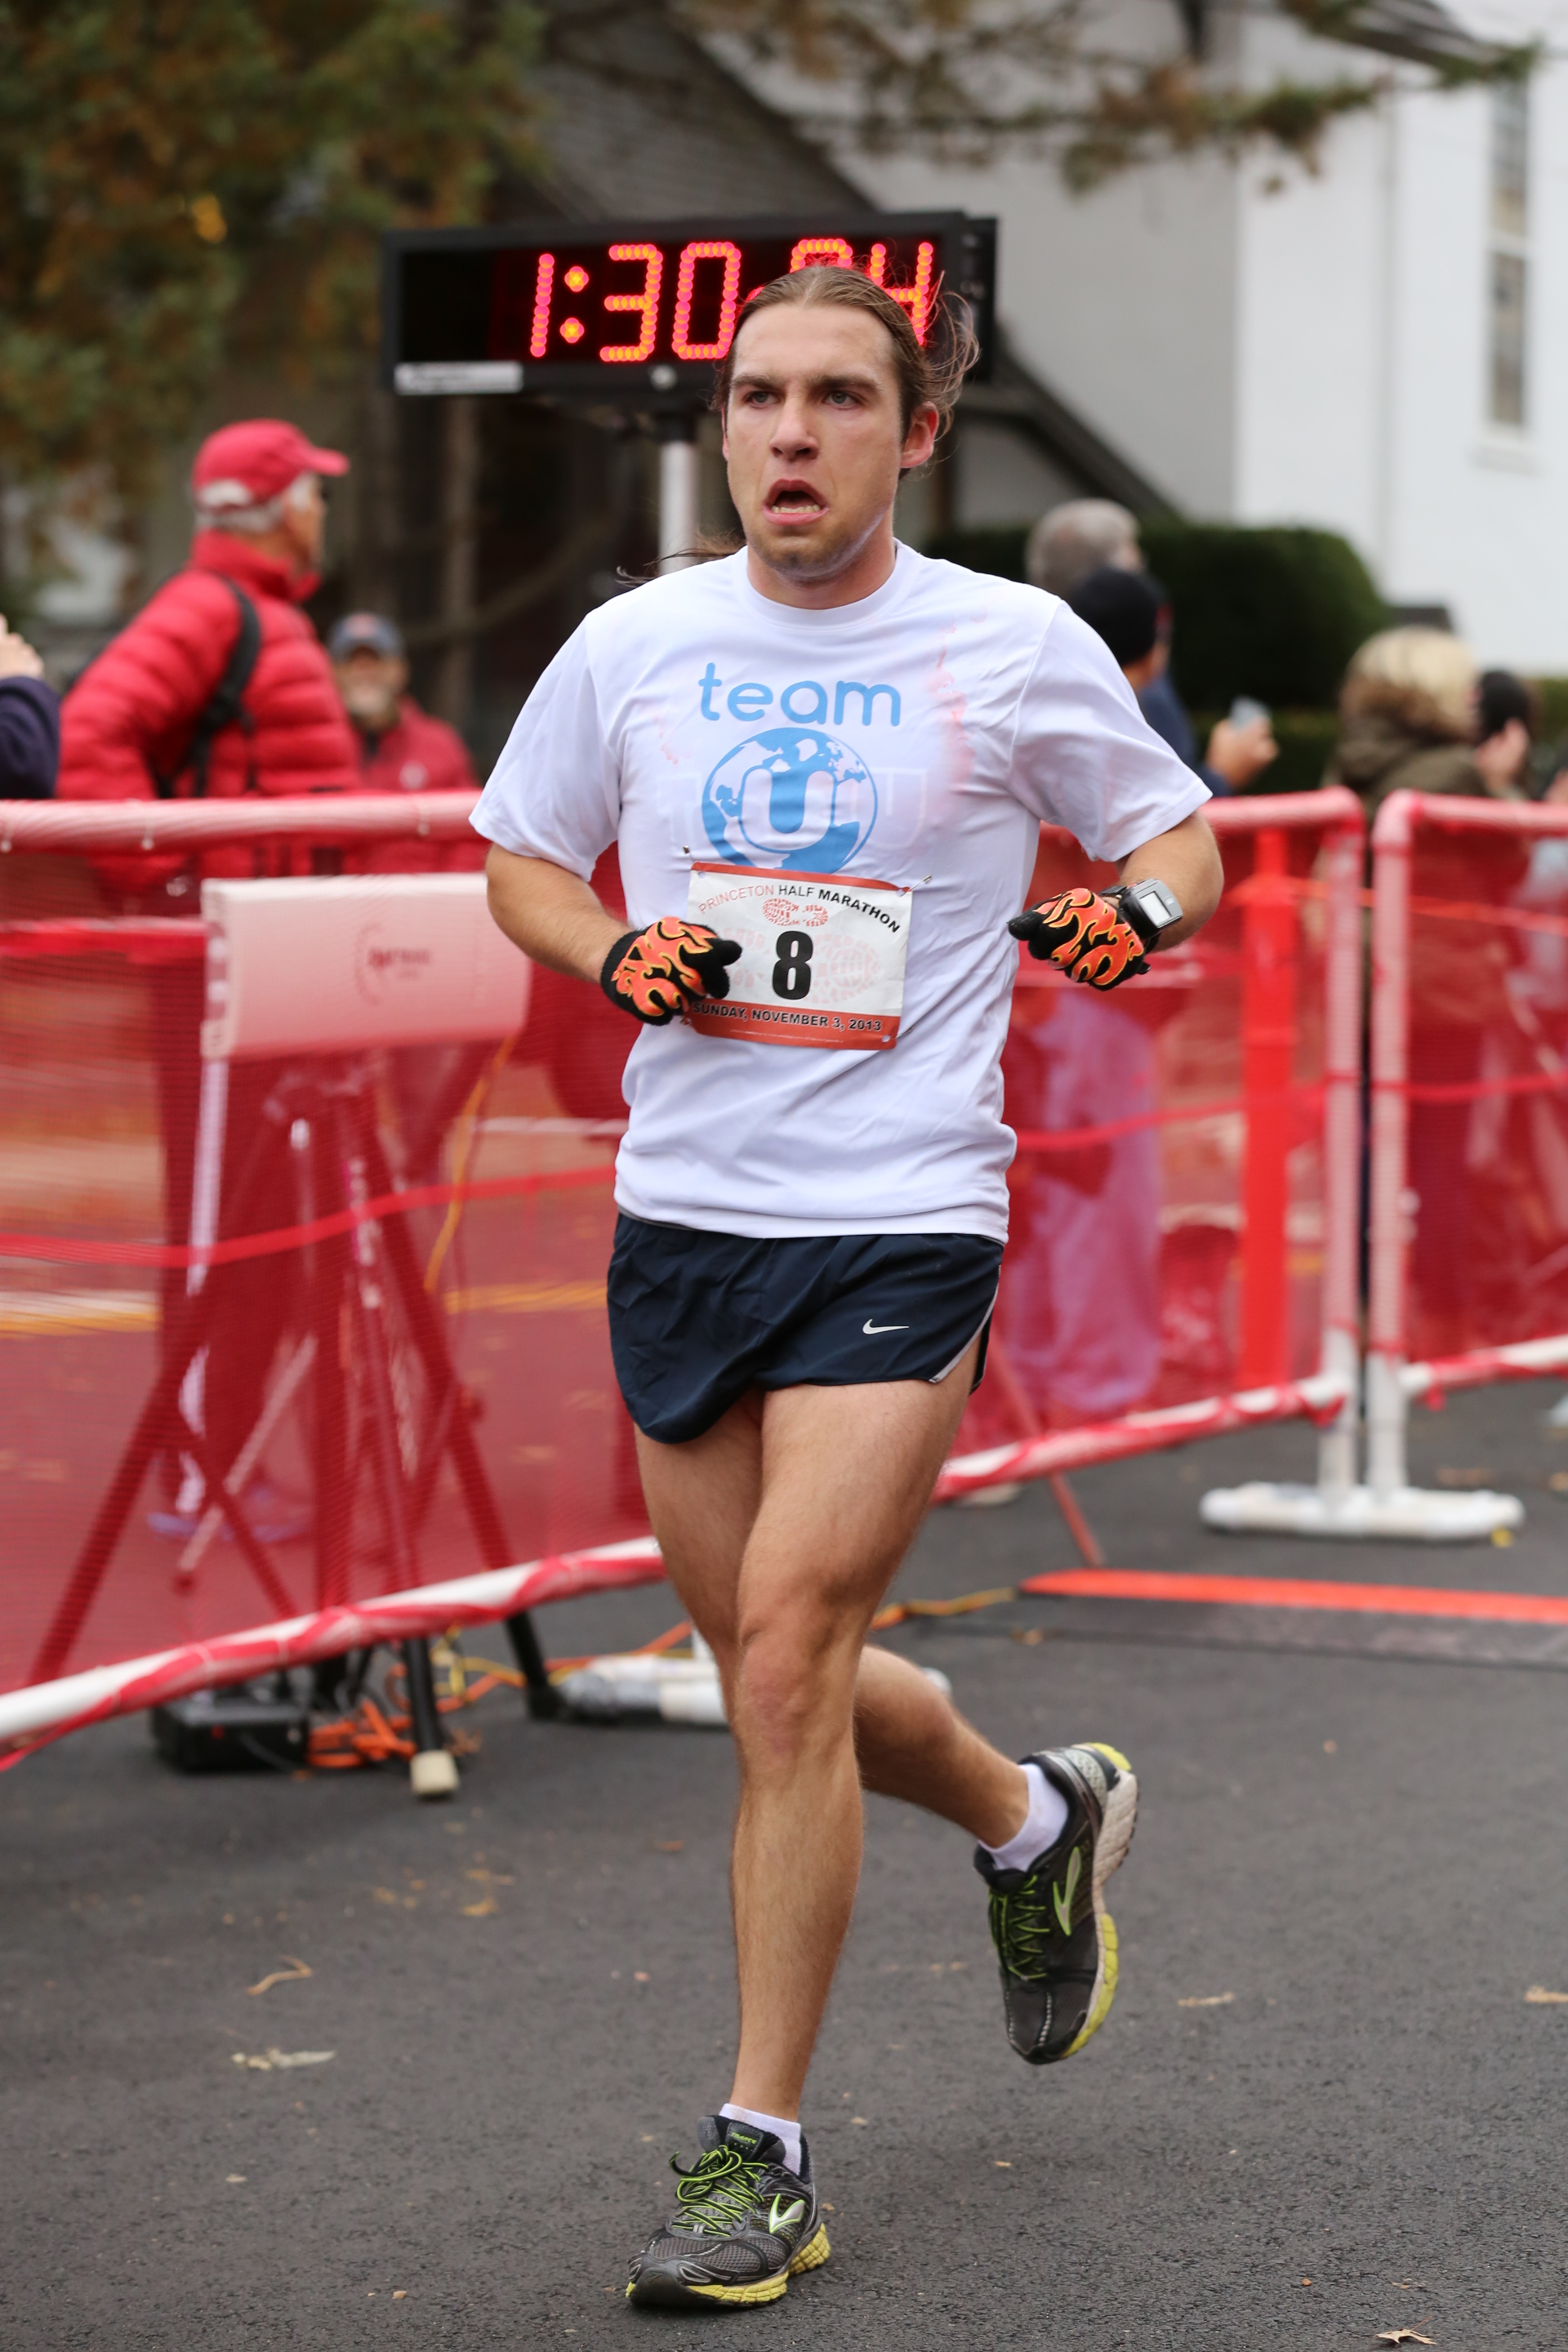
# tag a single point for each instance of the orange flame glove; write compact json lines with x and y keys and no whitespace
{"x":1088,"y":934}
{"x":655,"y":975}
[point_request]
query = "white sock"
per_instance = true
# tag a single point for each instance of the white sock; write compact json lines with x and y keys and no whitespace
{"x":1043,"y":1824}
{"x":780,"y":2126}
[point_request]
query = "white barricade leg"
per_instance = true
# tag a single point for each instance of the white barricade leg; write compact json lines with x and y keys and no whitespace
{"x":1388,"y":1504}
{"x":206,"y":1192}
{"x":1336,"y":1505}
{"x":1417,"y":1514}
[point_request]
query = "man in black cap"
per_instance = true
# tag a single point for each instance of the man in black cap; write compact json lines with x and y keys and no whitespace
{"x":402,"y":748}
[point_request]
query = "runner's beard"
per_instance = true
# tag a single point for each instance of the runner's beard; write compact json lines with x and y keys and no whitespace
{"x":821,"y":559}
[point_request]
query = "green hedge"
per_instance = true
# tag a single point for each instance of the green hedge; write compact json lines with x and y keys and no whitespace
{"x":1273,"y":613}
{"x":1554,"y":693}
{"x":999,"y":548}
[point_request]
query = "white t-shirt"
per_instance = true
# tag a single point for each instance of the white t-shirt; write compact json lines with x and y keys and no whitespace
{"x":918,"y":738}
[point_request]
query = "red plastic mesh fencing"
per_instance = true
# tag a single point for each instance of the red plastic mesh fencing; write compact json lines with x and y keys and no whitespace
{"x":1171,"y":1203}
{"x":396,"y":1353}
{"x":1470,"y":1078}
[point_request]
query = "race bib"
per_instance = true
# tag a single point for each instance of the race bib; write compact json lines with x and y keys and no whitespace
{"x":822,"y":960}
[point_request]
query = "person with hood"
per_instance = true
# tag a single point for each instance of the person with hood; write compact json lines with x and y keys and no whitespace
{"x":1409,"y":717}
{"x":219,"y":687}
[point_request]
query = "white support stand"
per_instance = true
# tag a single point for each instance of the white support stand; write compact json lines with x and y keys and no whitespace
{"x":678,"y":511}
{"x":678,"y":1690}
{"x":1386,"y":1506}
{"x":433,"y":1773}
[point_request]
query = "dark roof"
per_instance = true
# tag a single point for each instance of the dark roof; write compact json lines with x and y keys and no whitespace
{"x":1015,"y":396}
{"x":1418,"y":29}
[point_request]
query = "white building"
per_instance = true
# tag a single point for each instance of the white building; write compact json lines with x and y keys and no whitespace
{"x":1381,"y":349}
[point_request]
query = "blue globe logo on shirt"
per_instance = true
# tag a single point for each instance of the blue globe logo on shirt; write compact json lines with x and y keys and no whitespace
{"x":792,"y":798}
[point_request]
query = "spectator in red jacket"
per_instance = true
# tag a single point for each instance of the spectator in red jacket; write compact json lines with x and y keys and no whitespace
{"x":129,"y":725}
{"x":165,"y":711}
{"x":402,"y":749}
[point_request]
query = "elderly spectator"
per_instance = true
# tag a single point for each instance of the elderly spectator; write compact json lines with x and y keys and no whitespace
{"x":1083,"y":536}
{"x":219,"y":687}
{"x":163,"y":712}
{"x":1095,"y":535}
{"x":29,"y":722}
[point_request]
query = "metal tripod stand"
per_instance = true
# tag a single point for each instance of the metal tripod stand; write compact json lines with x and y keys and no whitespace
{"x":357,"y":1282}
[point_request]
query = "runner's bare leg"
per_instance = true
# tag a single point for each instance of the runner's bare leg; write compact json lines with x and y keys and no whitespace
{"x":781,"y":1547}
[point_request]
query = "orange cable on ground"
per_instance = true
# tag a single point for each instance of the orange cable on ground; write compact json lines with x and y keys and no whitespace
{"x":1300,"y":1593}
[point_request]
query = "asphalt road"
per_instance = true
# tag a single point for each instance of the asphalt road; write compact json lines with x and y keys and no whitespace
{"x":1321,"y":2107}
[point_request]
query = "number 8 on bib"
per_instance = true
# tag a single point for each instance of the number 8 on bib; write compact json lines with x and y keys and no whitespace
{"x":822,"y":960}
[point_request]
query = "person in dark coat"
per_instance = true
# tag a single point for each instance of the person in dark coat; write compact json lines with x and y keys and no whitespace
{"x":29,"y":722}
{"x":1126,"y":608}
{"x":1095,"y":535}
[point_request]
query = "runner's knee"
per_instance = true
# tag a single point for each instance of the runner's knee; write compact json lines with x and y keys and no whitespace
{"x":794,"y":1681}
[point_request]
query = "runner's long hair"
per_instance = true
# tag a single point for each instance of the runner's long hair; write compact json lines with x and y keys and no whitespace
{"x":931,"y":374}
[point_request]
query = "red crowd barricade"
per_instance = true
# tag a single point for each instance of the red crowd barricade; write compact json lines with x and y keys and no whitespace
{"x":1183,"y":1258}
{"x":295,"y":1344}
{"x":1469,"y":1210}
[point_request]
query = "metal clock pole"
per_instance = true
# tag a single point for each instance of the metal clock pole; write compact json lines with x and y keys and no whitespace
{"x":677,"y":489}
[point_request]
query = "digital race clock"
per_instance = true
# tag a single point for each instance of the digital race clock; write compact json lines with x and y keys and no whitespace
{"x":642,"y":310}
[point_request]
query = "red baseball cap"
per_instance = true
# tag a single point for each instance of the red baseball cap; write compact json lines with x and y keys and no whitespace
{"x":245,"y":464}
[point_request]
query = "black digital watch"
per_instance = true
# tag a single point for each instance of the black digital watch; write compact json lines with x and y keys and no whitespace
{"x":1149,"y":907}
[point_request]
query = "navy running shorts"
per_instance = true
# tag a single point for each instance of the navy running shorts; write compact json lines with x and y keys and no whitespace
{"x":698,"y":1318}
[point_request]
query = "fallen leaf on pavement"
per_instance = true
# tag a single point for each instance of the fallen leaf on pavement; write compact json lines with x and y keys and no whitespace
{"x":1401,"y":2335}
{"x":1204,"y":2000}
{"x":480,"y":1910}
{"x":282,"y":1976}
{"x":272,"y":2058}
{"x":1541,"y":1997}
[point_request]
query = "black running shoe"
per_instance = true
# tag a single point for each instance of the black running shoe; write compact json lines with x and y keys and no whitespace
{"x":746,"y":2224}
{"x":1054,"y":1937}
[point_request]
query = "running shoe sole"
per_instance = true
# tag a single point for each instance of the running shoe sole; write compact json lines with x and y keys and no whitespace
{"x":671,"y":2295}
{"x":1110,"y":1853}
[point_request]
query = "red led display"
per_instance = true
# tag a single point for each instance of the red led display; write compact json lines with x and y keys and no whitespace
{"x":575,"y":307}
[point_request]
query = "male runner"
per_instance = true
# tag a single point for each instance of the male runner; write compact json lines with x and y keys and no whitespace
{"x":807,"y":1258}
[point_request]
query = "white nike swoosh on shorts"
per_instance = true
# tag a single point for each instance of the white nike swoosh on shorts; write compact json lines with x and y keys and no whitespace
{"x":884,"y":1326}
